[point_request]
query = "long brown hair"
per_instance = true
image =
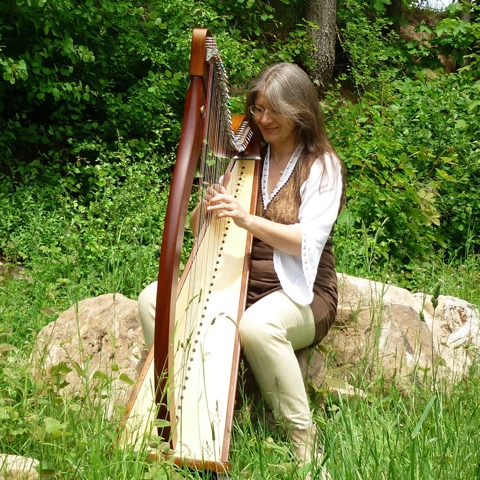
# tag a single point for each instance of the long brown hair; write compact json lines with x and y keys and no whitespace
{"x":293,"y":95}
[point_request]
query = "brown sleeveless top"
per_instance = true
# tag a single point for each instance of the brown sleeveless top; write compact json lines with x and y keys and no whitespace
{"x":284,"y":208}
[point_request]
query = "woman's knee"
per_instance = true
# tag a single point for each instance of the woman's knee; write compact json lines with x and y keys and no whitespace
{"x":245,"y":328}
{"x":256,"y":330}
{"x":148,"y":297}
{"x":146,"y":308}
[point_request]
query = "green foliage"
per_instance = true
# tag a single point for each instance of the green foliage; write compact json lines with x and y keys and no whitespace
{"x":91,"y":95}
{"x":296,"y":47}
{"x":411,"y":152}
{"x":450,"y":38}
{"x":69,"y":438}
{"x":249,"y":16}
{"x":119,"y":229}
{"x":99,"y":88}
{"x":408,"y":436}
{"x":94,"y":119}
{"x":454,"y":37}
{"x":80,"y":75}
{"x":410,"y":141}
{"x":72,"y":436}
{"x":90,"y":81}
{"x":371,"y":48}
{"x":15,"y":392}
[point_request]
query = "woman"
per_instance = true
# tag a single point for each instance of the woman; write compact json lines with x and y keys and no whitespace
{"x":292,"y":297}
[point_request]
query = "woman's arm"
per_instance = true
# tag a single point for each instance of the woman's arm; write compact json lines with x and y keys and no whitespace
{"x":321,"y":196}
{"x":202,"y":205}
{"x":285,"y":238}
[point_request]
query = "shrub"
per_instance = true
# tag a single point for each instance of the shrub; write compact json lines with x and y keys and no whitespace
{"x":411,"y":152}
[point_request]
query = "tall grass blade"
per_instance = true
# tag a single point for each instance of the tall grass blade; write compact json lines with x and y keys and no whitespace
{"x":428,"y":407}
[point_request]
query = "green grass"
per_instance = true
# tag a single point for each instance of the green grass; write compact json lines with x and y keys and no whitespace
{"x":423,"y":436}
{"x":71,"y":251}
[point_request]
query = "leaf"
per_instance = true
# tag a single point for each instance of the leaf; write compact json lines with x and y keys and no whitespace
{"x":424,"y":28}
{"x":54,"y":427}
{"x":446,"y":176}
{"x":60,"y":369}
{"x":336,"y":383}
{"x":162,"y":423}
{"x":473,"y":105}
{"x":80,"y":372}
{"x":269,"y":445}
{"x":100,"y":375}
{"x":125,"y":378}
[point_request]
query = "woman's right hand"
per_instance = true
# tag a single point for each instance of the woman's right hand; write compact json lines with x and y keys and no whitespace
{"x":210,"y":192}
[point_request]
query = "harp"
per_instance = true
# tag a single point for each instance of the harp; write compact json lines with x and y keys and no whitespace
{"x":188,"y":383}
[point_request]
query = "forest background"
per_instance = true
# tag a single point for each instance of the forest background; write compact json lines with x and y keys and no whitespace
{"x":91,"y":100}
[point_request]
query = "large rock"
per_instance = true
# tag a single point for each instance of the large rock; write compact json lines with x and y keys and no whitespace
{"x":15,"y":467}
{"x":387,"y":331}
{"x":96,"y":346}
{"x":390,"y":331}
{"x":381,"y":330}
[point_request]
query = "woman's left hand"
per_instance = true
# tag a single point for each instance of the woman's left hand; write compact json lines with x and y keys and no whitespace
{"x":224,"y":205}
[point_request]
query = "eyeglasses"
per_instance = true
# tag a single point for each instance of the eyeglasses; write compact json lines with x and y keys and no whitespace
{"x":258,"y":111}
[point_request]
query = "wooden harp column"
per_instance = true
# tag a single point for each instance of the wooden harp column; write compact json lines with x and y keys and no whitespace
{"x":189,"y":148}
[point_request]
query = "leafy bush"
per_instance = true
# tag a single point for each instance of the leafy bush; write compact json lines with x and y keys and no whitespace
{"x":373,"y":55}
{"x":94,"y":73}
{"x":456,"y":38}
{"x":81,"y":76}
{"x":70,"y":243}
{"x":448,"y":38}
{"x":412,"y":153}
{"x":94,"y":88}
{"x":96,"y":92}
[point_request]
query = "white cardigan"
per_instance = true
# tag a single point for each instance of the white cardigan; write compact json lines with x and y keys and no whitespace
{"x":320,"y":202}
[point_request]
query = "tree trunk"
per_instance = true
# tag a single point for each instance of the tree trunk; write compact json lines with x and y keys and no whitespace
{"x":466,"y":13}
{"x":394,"y":11}
{"x":323,"y":14}
{"x":466,"y":16}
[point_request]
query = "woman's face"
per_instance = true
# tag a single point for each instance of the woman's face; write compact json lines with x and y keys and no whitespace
{"x":274,"y":128}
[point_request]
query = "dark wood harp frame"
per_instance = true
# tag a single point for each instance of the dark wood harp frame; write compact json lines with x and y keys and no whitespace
{"x":190,"y":146}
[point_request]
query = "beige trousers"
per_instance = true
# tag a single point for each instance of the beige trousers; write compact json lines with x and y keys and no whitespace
{"x":146,"y":308}
{"x":270,"y":332}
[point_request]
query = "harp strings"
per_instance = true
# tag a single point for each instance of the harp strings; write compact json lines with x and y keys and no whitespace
{"x":221,"y":143}
{"x":213,"y":169}
{"x":219,"y":140}
{"x":204,"y":311}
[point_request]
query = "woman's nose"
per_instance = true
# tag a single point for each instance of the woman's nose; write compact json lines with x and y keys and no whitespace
{"x":266,"y":117}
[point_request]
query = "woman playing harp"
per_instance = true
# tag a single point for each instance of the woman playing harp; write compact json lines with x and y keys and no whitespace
{"x":292,"y":293}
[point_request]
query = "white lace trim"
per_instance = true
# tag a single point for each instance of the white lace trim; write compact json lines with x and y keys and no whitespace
{"x":320,"y":201}
{"x":287,"y":173}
